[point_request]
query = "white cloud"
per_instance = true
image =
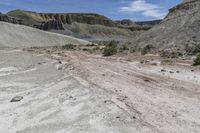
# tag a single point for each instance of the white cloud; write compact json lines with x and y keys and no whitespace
{"x":145,"y":8}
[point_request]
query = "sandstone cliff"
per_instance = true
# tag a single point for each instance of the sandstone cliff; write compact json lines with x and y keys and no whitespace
{"x":34,"y":18}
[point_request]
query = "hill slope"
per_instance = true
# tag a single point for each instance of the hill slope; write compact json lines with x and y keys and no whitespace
{"x":180,"y":30}
{"x":13,"y":35}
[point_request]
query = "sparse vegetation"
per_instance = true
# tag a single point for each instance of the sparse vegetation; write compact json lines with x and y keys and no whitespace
{"x":197,"y":60}
{"x":110,"y":49}
{"x":147,"y":49}
{"x":68,"y":47}
{"x":90,"y":45}
{"x":170,"y":54}
{"x":123,"y":48}
{"x":192,"y":49}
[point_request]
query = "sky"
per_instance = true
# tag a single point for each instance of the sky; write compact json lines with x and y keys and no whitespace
{"x":136,"y":10}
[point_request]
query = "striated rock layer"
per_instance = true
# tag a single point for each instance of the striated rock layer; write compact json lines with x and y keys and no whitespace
{"x":51,"y":25}
{"x":34,"y":18}
{"x":38,"y":20}
{"x":9,"y":19}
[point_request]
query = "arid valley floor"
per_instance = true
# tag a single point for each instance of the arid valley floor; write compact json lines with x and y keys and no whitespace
{"x":76,"y":92}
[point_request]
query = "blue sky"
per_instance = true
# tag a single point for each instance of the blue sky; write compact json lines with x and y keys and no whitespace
{"x":137,"y":10}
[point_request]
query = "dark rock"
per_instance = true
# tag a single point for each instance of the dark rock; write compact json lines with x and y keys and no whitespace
{"x":134,"y":117}
{"x":146,"y":80}
{"x":163,"y":70}
{"x":154,"y":64}
{"x":177,"y":71}
{"x":9,"y":19}
{"x":51,"y":25}
{"x":171,"y":72}
{"x":16,"y":99}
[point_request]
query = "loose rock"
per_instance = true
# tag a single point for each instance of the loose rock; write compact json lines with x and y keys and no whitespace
{"x":16,"y":99}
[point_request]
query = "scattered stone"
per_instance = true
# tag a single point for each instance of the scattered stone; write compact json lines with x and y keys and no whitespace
{"x":192,"y":70}
{"x":144,"y":61}
{"x":177,"y":71}
{"x":59,"y":68}
{"x":16,"y":99}
{"x":117,"y":117}
{"x":60,"y":62}
{"x":146,"y":80}
{"x":134,"y":117}
{"x":171,"y":72}
{"x":154,"y":64}
{"x":103,"y":74}
{"x":163,"y":70}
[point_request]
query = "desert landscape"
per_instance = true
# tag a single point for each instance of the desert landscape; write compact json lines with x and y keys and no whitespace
{"x":86,"y":73}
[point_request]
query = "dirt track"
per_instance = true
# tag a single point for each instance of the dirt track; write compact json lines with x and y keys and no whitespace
{"x":72,"y":92}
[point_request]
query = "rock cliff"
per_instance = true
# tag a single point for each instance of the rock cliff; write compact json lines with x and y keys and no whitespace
{"x":34,"y":18}
{"x":9,"y":19}
{"x":51,"y":25}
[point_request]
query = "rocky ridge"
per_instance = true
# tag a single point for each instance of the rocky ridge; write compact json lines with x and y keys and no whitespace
{"x":37,"y":20}
{"x":179,"y":31}
{"x":6,"y":18}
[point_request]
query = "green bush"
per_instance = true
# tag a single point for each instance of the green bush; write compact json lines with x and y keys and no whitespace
{"x":110,"y":49}
{"x":197,"y":60}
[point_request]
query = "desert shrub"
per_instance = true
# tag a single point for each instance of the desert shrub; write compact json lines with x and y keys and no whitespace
{"x":147,"y":49}
{"x":123,"y":48}
{"x":90,"y":45}
{"x":192,"y":49}
{"x":85,"y":49}
{"x":93,"y":50}
{"x":68,"y":47}
{"x":133,"y":50}
{"x":197,"y":60}
{"x":110,"y":49}
{"x":96,"y":48}
{"x":170,"y":54}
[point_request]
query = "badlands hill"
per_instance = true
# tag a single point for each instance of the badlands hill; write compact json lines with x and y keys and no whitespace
{"x":34,"y":18}
{"x":179,"y":31}
{"x":14,"y":35}
{"x":98,"y":26}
